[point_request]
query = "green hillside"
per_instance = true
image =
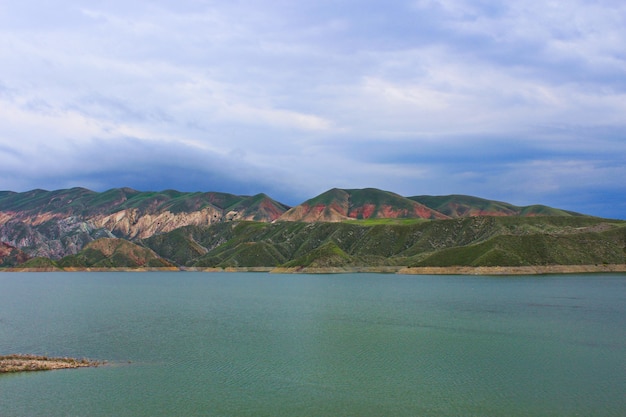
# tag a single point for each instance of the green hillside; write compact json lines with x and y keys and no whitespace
{"x":477,"y":241}
{"x":465,"y":206}
{"x":113,"y":253}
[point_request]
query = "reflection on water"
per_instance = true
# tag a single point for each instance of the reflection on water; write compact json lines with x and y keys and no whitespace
{"x":253,"y":344}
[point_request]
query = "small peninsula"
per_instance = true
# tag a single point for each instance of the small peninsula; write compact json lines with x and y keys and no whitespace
{"x":26,"y":363}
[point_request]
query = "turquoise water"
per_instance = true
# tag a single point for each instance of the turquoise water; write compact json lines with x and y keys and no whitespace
{"x":253,"y":344}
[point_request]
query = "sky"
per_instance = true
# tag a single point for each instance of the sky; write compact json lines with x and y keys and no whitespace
{"x":522,"y":101}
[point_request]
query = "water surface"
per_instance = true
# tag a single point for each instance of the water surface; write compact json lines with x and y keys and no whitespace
{"x":255,"y":344}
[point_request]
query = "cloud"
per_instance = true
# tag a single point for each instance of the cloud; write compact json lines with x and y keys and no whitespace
{"x":428,"y":96}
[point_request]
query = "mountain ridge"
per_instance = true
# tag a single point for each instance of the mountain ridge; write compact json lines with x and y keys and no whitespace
{"x":530,"y":243}
{"x":457,"y":205}
{"x":367,"y":203}
{"x":40,"y":224}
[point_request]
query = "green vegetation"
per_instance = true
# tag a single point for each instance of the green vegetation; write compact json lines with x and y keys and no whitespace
{"x":113,"y":253}
{"x":476,"y":241}
{"x":526,"y":250}
{"x":464,"y":205}
{"x":329,"y":197}
{"x":38,"y":263}
{"x":80,"y":201}
{"x":327,"y":255}
{"x":384,"y":221}
{"x":379,"y":198}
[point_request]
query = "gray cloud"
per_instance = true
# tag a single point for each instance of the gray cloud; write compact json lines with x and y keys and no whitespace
{"x":522,"y":102}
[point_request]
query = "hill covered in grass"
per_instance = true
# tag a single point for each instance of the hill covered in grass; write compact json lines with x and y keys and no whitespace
{"x":477,"y":241}
{"x":455,"y":206}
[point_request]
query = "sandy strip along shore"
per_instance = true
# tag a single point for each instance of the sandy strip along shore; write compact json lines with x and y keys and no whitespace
{"x":398,"y":269}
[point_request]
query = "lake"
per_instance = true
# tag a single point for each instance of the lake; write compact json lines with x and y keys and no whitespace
{"x":258,"y":344}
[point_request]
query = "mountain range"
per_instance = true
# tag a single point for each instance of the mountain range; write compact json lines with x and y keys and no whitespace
{"x":78,"y":228}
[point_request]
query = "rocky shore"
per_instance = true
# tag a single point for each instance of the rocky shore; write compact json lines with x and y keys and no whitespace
{"x":26,"y":363}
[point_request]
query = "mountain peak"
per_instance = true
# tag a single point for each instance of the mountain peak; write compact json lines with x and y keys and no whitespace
{"x":367,"y":203}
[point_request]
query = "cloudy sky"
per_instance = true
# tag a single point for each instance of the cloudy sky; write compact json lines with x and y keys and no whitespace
{"x":522,"y":101}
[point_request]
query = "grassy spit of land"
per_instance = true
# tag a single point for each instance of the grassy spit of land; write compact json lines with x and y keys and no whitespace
{"x":25,"y":363}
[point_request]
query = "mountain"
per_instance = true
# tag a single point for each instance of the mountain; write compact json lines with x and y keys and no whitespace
{"x":42,"y":228}
{"x":57,"y":223}
{"x":456,"y":206}
{"x":369,"y":203}
{"x":119,"y":208}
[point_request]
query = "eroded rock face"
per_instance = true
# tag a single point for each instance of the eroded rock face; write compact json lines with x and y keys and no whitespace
{"x":60,"y":223}
{"x":131,"y":224}
{"x":316,"y":213}
{"x":11,"y":256}
{"x":55,"y":238}
{"x":58,"y":237}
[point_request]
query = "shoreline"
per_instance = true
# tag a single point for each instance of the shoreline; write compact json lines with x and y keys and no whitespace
{"x":402,"y":270}
{"x":513,"y":270}
{"x":32,"y":363}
